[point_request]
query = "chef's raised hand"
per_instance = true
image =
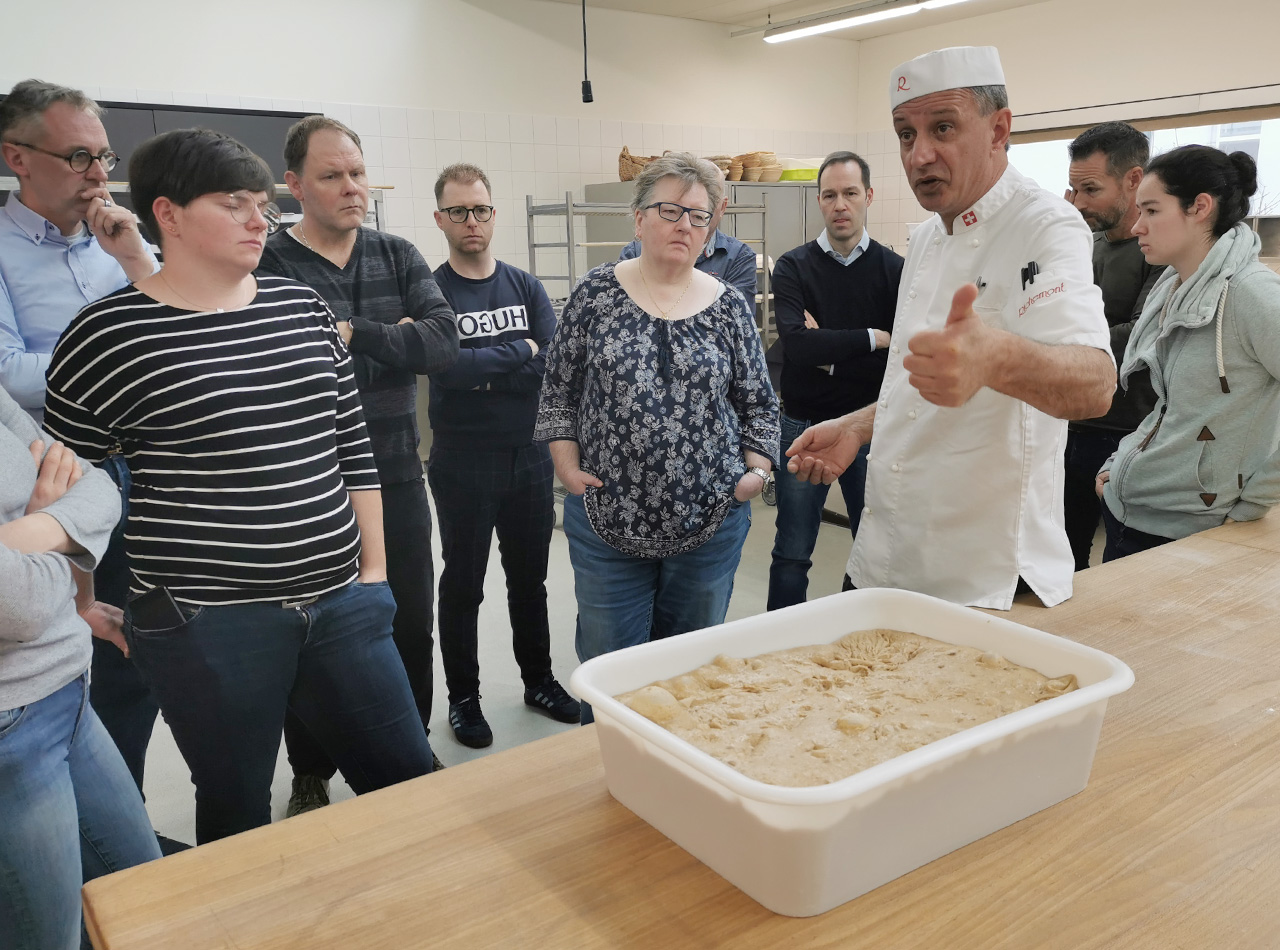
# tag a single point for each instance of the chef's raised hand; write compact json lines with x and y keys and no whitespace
{"x":949,"y":365}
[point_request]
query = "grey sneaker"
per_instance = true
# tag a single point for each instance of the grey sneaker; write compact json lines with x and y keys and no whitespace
{"x":309,"y":793}
{"x":469,"y":726}
{"x":550,"y":697}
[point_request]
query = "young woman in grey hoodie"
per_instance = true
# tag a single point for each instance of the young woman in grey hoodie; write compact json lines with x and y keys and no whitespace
{"x":69,"y":810}
{"x":1209,"y":452}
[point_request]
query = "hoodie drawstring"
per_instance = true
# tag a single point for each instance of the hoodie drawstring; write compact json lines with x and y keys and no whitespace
{"x":1222,"y":309}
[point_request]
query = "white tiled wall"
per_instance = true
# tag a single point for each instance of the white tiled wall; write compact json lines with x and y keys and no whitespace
{"x":544,"y":156}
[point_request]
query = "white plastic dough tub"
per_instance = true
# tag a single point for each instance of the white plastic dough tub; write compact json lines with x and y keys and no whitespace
{"x":803,"y":851}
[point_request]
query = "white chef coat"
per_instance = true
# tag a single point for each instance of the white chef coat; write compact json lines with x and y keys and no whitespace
{"x":961,"y":502}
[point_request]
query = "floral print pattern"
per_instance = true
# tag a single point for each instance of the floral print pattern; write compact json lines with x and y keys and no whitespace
{"x":662,"y":411}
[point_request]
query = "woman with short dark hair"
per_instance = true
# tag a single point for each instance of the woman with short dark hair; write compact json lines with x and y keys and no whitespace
{"x":662,"y":422}
{"x":255,"y":523}
{"x":1209,"y":452}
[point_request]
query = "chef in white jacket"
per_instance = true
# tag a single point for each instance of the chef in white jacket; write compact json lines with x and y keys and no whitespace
{"x":998,"y":340}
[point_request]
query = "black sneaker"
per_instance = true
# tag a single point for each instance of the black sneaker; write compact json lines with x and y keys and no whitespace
{"x":436,"y":764}
{"x":550,"y":697}
{"x":309,"y":793}
{"x":468,"y":723}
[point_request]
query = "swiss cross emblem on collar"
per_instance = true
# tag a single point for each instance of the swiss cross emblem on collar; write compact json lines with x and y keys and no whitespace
{"x":969,"y":218}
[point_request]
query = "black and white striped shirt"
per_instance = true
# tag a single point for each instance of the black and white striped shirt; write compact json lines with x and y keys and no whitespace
{"x":243,"y":431}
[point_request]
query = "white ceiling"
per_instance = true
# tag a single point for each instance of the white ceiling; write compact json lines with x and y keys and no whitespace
{"x":743,"y":14}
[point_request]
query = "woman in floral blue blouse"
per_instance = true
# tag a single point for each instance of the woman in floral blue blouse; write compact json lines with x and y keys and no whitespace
{"x":662,"y":423}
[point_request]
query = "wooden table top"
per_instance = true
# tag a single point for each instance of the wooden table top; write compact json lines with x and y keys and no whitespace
{"x":1173,"y":844}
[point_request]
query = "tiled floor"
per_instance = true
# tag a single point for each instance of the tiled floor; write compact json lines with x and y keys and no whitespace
{"x":169,"y":791}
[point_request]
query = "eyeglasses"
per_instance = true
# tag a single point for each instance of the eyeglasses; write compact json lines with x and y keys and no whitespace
{"x":458,"y":214}
{"x":669,"y":211}
{"x":80,"y":159}
{"x":242,"y":207}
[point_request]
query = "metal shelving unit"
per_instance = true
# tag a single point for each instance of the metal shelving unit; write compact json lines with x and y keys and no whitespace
{"x":570,"y":210}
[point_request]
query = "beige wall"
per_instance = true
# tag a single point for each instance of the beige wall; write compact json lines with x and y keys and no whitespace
{"x":1066,"y":54}
{"x":482,"y":55}
{"x":494,"y":82}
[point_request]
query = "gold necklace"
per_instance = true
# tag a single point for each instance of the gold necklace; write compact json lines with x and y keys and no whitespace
{"x":297,"y":229}
{"x":655,"y":299}
{"x":196,"y":306}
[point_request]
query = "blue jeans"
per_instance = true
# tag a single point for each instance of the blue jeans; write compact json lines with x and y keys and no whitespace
{"x":119,"y":695}
{"x":799,"y":517}
{"x":69,"y":812}
{"x":625,"y":600}
{"x":225,"y":677}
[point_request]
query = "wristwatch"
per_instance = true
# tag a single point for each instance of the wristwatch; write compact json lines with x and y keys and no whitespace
{"x":769,"y":492}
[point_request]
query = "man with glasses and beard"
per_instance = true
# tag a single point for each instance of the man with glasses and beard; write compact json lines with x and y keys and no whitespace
{"x":398,"y":326}
{"x":1106,"y":168}
{"x":64,"y":244}
{"x":486,"y":472}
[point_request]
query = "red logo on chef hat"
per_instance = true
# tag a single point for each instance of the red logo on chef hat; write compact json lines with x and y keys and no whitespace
{"x":969,"y":219}
{"x":902,"y":84}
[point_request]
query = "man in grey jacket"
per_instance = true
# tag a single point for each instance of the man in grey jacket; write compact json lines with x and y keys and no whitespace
{"x":1106,"y":169}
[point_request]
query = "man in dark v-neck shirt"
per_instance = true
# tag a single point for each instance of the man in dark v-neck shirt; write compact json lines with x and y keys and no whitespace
{"x":395,"y":320}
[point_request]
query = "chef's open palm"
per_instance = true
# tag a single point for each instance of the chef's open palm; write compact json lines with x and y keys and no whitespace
{"x":821,"y":453}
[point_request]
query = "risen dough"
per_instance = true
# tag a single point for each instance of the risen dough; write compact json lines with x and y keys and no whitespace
{"x":813,"y":715}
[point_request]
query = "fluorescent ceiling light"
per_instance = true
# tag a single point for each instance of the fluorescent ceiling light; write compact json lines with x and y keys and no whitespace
{"x":813,"y":26}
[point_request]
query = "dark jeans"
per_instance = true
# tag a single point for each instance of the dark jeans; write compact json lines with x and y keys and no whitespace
{"x":226,"y":675}
{"x":800,"y":516}
{"x":117,"y":692}
{"x":406,"y":534}
{"x":479,"y":492}
{"x":1087,"y":451}
{"x":1123,"y":540}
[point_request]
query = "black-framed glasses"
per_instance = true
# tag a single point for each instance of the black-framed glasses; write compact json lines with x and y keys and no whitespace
{"x":458,"y":213}
{"x":80,"y":159}
{"x":670,"y":211}
{"x":242,"y":207}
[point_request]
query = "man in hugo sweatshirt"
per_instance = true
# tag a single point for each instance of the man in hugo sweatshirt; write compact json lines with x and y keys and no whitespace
{"x":485,"y":470}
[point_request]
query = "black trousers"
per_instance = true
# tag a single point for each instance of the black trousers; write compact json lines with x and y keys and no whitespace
{"x":406,"y":528}
{"x":477,"y":493}
{"x":1087,"y":450}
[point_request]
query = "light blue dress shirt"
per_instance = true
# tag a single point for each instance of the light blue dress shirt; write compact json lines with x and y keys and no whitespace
{"x":46,"y":277}
{"x":859,"y":249}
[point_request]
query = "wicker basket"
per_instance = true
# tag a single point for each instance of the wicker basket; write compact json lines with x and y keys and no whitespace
{"x":629,"y":165}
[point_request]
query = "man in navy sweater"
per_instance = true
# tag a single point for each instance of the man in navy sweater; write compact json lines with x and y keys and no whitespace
{"x":834,"y":299}
{"x":485,"y":470}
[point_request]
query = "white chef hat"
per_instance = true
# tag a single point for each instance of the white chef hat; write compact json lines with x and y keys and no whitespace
{"x":956,"y":67}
